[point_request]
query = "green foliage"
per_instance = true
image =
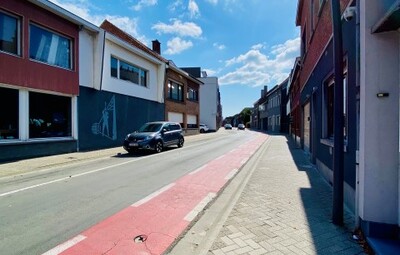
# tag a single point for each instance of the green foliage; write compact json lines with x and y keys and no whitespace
{"x":245,"y":115}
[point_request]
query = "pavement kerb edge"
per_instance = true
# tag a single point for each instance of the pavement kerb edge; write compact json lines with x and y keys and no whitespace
{"x":204,"y":229}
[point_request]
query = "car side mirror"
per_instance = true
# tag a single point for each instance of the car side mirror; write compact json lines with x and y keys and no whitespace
{"x":164,"y":130}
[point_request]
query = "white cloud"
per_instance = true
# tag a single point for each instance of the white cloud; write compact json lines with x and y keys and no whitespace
{"x":175,"y":5}
{"x":144,"y":3}
{"x":219,"y":46}
{"x":82,"y":9}
{"x":193,"y":9}
{"x":177,"y":45}
{"x":210,"y":72}
{"x":189,"y":29}
{"x":255,"y":68}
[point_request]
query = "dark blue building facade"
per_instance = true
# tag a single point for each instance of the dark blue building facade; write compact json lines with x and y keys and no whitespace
{"x":317,"y":121}
{"x":105,"y":118}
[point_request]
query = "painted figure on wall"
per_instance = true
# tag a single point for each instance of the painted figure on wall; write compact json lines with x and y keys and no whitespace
{"x":102,"y":127}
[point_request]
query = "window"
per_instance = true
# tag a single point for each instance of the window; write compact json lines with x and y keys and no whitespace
{"x":303,"y":43}
{"x":114,"y":67}
{"x":10,"y":34}
{"x":193,"y":94}
{"x":127,"y":72}
{"x":9,"y":124}
{"x":49,"y":115}
{"x":175,"y":91}
{"x":329,"y":107}
{"x":48,"y":47}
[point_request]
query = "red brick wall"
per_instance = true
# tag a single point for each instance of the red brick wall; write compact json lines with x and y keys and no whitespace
{"x":20,"y":70}
{"x":187,"y":107}
{"x":317,"y":40}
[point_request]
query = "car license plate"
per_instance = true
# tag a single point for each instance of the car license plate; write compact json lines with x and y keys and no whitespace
{"x":133,"y":144}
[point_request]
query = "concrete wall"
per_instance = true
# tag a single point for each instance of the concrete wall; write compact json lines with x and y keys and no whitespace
{"x":156,"y":71}
{"x":105,"y":118}
{"x":208,"y":101}
{"x":379,"y":122}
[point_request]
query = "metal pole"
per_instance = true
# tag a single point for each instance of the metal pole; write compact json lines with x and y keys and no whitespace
{"x":338,"y":171}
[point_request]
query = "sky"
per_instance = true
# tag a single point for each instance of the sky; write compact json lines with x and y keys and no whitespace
{"x":247,"y":44}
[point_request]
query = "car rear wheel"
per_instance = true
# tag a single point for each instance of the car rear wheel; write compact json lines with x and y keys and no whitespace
{"x":159,"y":147}
{"x":180,"y":142}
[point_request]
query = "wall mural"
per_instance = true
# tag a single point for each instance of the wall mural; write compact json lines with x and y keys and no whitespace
{"x":103,"y":126}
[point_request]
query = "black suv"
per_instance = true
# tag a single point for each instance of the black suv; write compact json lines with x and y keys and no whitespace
{"x":155,"y":136}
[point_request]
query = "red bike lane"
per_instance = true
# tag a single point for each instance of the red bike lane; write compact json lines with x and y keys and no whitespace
{"x":152,"y":224}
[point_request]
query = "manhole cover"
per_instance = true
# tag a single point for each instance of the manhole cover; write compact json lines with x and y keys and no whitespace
{"x":140,"y":239}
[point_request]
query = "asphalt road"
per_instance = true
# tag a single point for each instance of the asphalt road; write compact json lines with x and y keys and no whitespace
{"x":43,"y":209}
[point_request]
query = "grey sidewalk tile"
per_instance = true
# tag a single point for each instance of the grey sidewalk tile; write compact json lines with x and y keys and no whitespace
{"x":227,"y":240}
{"x":253,"y":244}
{"x":217,"y":252}
{"x":230,"y":248}
{"x":267,"y":246}
{"x":296,"y":250}
{"x":244,"y":250}
{"x":240,"y":242}
{"x":284,"y":210}
{"x":260,"y":251}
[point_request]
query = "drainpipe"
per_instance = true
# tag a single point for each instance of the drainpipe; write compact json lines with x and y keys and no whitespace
{"x":338,"y":173}
{"x":357,"y":198}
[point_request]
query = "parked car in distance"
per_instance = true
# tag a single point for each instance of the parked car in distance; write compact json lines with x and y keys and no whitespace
{"x":241,"y":127}
{"x":203,"y":128}
{"x":154,"y":136}
{"x":228,"y":126}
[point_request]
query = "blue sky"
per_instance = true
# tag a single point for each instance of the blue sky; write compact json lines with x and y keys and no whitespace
{"x":247,"y":44}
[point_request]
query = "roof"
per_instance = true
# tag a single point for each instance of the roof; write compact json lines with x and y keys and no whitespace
{"x":171,"y":65}
{"x":53,"y":8}
{"x":112,"y":29}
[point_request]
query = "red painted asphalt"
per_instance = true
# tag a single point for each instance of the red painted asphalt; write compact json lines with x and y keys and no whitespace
{"x":163,"y":215}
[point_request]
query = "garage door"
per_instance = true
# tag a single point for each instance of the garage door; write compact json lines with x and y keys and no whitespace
{"x":175,"y":117}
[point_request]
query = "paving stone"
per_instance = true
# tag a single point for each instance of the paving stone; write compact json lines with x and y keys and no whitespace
{"x":285,"y":208}
{"x":230,"y":248}
{"x":244,"y":250}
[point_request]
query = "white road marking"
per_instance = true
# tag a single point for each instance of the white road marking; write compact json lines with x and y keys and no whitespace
{"x":153,"y":195}
{"x":65,"y":178}
{"x":200,"y":206}
{"x":231,"y":174}
{"x":64,"y":246}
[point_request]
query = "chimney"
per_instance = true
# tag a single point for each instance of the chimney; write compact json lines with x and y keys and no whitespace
{"x":262,"y":93}
{"x":156,"y":46}
{"x":265,"y":90}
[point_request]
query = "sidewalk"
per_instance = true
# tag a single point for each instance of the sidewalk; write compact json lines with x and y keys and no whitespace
{"x":277,"y":204}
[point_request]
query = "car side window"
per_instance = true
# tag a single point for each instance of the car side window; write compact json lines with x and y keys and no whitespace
{"x":167,"y":127}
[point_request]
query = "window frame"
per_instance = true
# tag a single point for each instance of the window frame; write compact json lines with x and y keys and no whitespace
{"x":140,"y":71}
{"x":180,"y":97}
{"x":9,"y":132}
{"x":71,"y":44}
{"x":193,"y":94}
{"x":19,"y":33}
{"x":328,"y":88}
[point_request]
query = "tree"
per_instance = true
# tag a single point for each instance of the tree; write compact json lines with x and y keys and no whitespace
{"x":245,"y":115}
